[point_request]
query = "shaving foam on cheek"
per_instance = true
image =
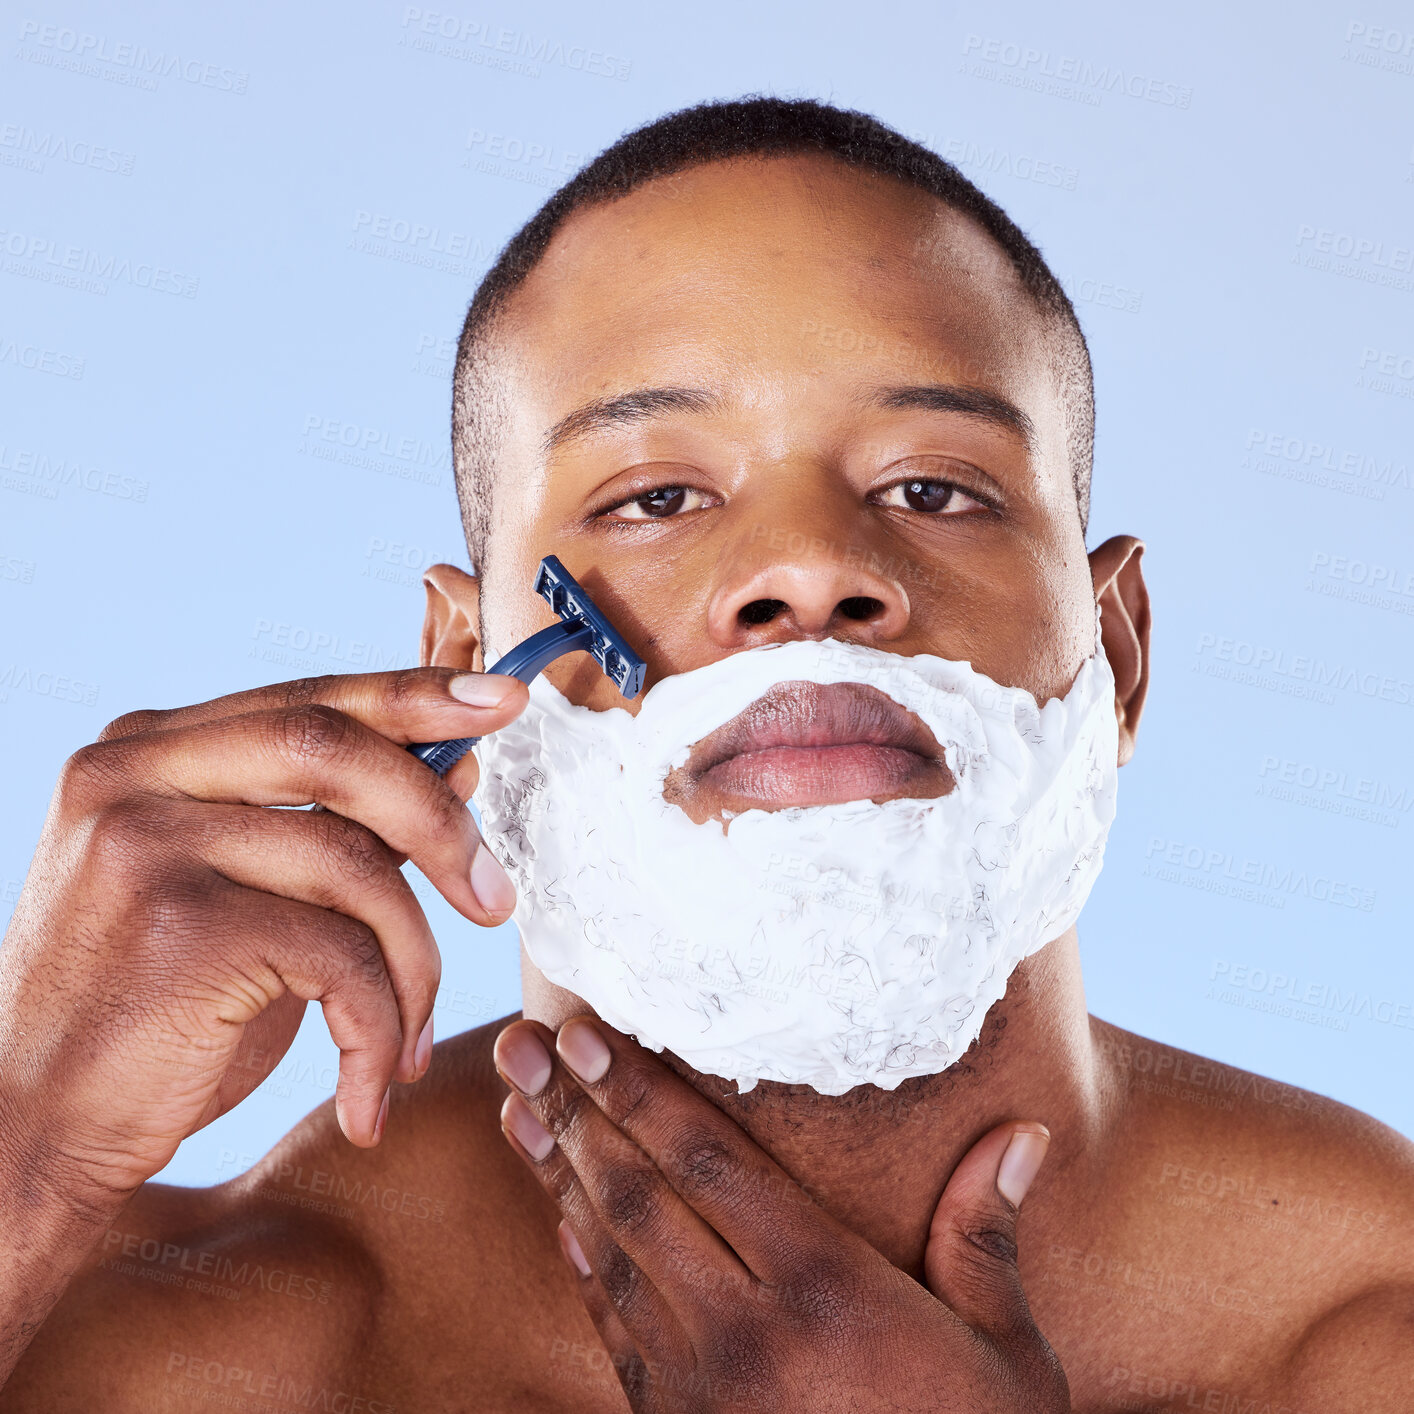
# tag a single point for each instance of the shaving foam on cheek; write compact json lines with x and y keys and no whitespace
{"x":826,"y":945}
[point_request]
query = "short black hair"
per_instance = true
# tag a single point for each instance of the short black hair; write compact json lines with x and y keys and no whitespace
{"x":754,"y":126}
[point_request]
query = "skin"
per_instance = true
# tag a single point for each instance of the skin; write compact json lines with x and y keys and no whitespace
{"x":1194,"y":1237}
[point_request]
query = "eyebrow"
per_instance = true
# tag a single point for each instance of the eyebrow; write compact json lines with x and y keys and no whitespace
{"x":637,"y":406}
{"x":970,"y":402}
{"x":643,"y":404}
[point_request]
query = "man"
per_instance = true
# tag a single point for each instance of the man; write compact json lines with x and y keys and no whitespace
{"x":642,"y":1236}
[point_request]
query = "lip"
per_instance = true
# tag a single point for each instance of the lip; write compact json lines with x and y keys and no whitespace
{"x":805,"y":743}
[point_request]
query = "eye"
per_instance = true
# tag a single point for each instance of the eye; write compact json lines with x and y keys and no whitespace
{"x":661,"y":503}
{"x":930,"y":496}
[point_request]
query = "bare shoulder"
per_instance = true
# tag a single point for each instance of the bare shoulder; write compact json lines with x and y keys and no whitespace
{"x":1264,"y":1156}
{"x":1359,"y":1356}
{"x":1282,"y":1222}
{"x":195,"y":1290}
{"x":460,"y":1243}
{"x":374,"y":1275}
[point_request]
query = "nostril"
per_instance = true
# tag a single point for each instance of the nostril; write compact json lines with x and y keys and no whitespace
{"x":860,"y":607}
{"x":761,"y":611}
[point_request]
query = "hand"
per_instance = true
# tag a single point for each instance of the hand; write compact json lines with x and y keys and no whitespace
{"x":716,"y":1283}
{"x":171,"y":930}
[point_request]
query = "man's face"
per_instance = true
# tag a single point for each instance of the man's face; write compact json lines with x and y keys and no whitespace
{"x":805,"y":477}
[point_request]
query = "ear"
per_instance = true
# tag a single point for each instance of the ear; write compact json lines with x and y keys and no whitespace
{"x":1123,"y":598}
{"x":449,"y":632}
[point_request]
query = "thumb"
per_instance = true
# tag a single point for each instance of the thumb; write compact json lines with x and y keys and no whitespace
{"x":970,"y":1262}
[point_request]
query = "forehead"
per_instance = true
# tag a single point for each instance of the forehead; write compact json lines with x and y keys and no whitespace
{"x":777,"y":281}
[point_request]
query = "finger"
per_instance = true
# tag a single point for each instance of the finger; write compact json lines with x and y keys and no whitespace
{"x":334,"y":863}
{"x":295,"y":755}
{"x":641,"y":1306}
{"x":263,"y":1044}
{"x":970,"y":1261}
{"x":738,"y":1190}
{"x":630,"y":1196}
{"x":269,"y":946}
{"x":412,"y":704}
{"x":632,"y":1370}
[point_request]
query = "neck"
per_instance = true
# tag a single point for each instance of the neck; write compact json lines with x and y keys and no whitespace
{"x":878,"y":1160}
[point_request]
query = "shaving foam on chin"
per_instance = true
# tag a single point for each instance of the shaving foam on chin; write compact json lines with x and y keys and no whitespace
{"x":825,"y":945}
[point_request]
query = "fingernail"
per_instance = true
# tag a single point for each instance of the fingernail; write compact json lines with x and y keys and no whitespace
{"x":481,"y":689}
{"x":523,"y":1060}
{"x":490,"y":883}
{"x":422,"y":1056}
{"x":382,"y":1115}
{"x":582,"y":1049}
{"x":570,"y":1244}
{"x":530,"y":1134}
{"x":1020,"y":1164}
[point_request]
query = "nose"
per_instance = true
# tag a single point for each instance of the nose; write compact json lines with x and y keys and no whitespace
{"x":806,"y":581}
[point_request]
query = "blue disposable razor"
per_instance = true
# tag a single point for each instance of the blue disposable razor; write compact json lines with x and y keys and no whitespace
{"x":582,"y":627}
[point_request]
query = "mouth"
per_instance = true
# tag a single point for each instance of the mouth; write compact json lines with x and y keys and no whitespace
{"x":805,"y":743}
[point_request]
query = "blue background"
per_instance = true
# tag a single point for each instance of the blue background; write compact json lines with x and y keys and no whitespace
{"x":283,"y":220}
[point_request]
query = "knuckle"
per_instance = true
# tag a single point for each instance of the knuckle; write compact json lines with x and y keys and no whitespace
{"x":628,"y":1197}
{"x":619,"y":1276}
{"x":357,"y":947}
{"x":559,"y":1178}
{"x":560,"y":1107}
{"x":406,"y":688}
{"x":130,"y":723}
{"x":703,"y":1162}
{"x":822,"y":1294}
{"x":446,"y":822}
{"x":356,"y":852}
{"x":988,"y":1245}
{"x":981,"y":1268}
{"x":84,"y":776}
{"x":424,"y":995}
{"x":117,"y":838}
{"x":744,"y":1348}
{"x":177,"y":912}
{"x":628,"y":1089}
{"x":636,"y":1379}
{"x":301,"y":690}
{"x":313,"y":732}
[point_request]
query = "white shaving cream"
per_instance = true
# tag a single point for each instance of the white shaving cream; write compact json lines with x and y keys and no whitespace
{"x":826,"y":945}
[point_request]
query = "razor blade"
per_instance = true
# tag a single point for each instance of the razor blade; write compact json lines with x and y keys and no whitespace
{"x":581,"y":627}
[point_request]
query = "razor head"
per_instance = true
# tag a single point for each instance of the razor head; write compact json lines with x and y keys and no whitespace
{"x":559,"y":588}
